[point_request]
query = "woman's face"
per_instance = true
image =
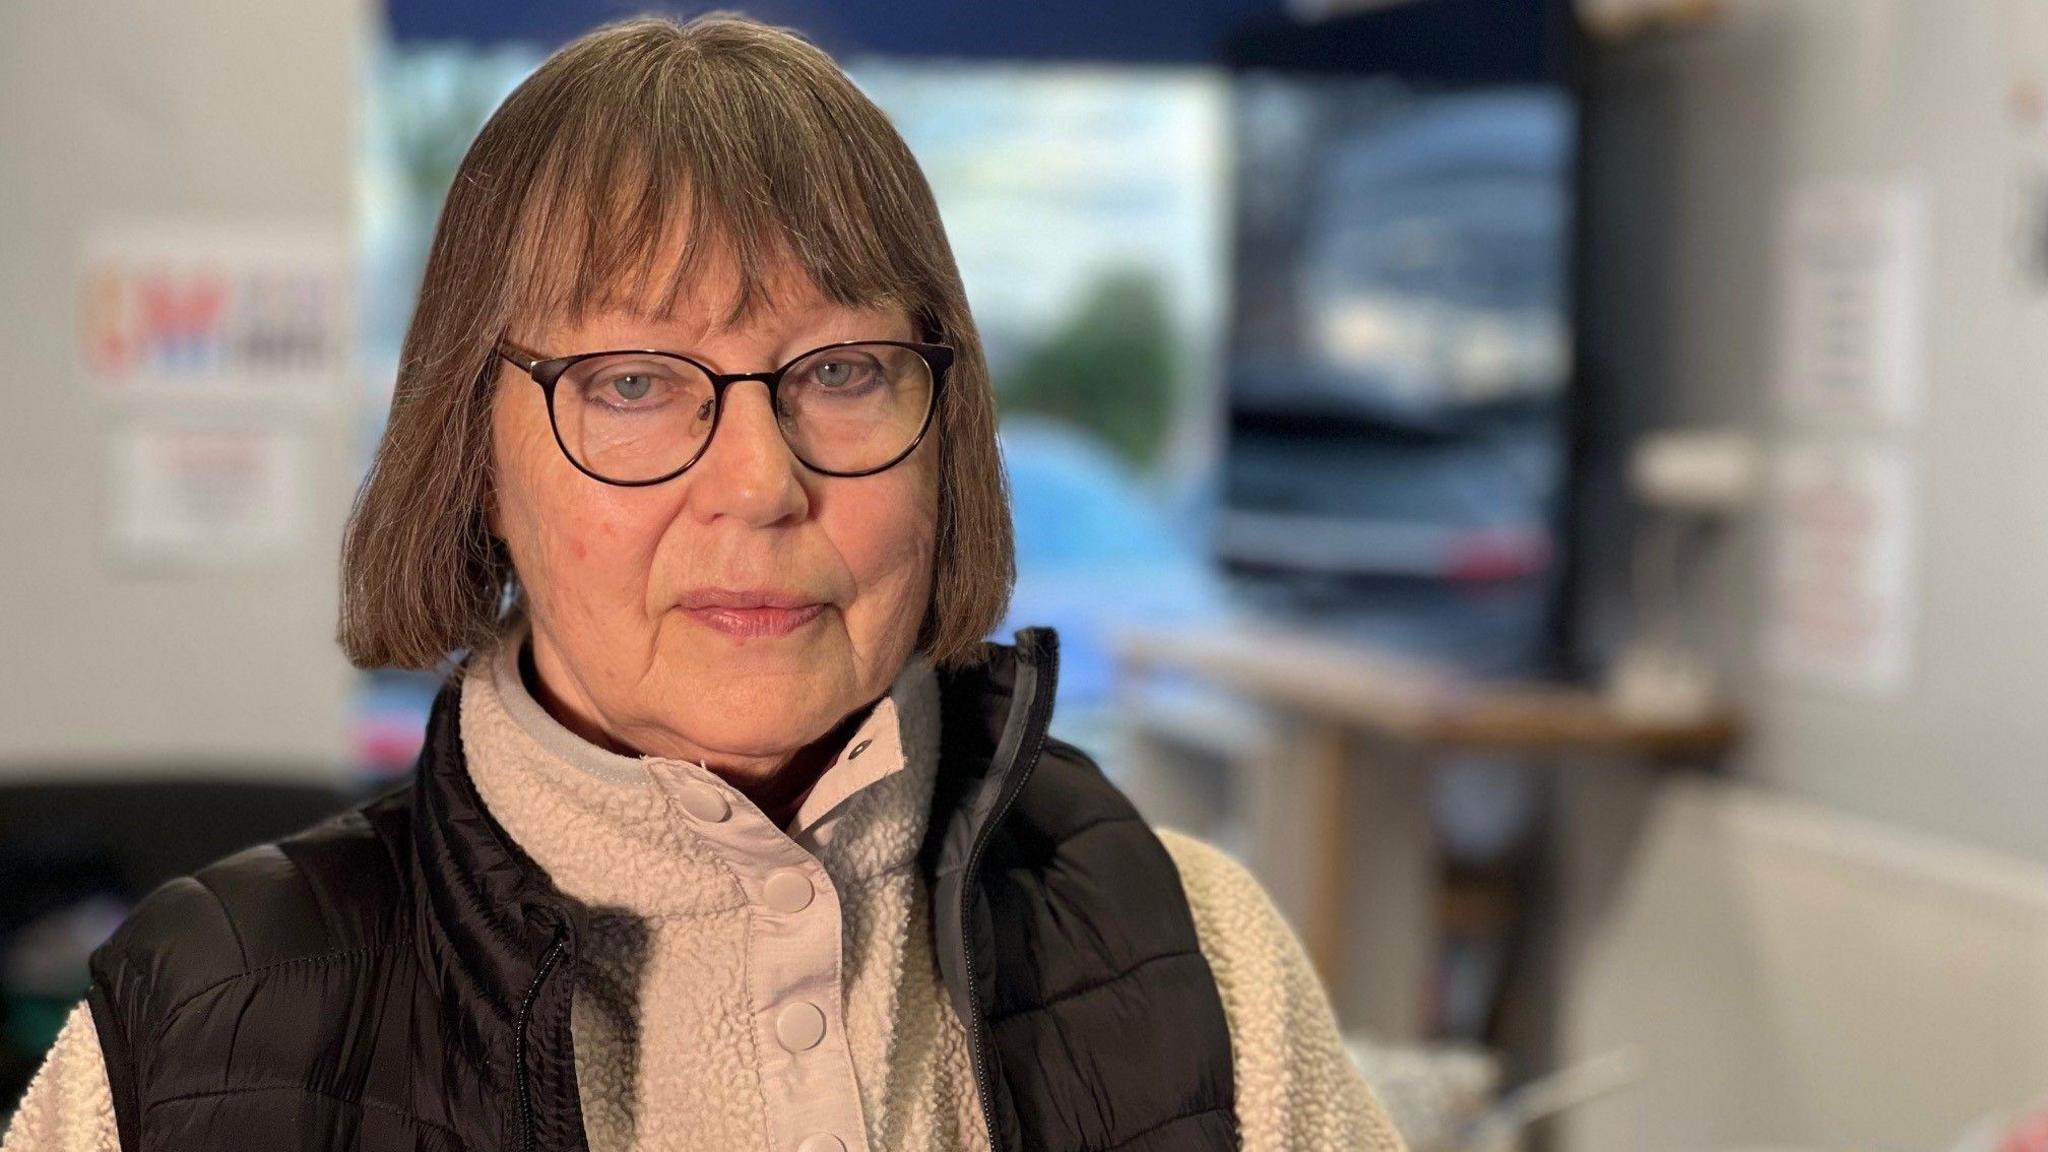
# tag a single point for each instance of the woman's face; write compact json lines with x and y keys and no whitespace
{"x":612,"y":575}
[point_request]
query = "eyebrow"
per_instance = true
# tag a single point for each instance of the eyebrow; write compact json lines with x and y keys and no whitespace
{"x":813,"y":328}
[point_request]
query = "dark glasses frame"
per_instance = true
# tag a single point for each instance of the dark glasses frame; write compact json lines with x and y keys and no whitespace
{"x":546,"y":373}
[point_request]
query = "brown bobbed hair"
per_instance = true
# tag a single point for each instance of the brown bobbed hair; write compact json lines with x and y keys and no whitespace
{"x":749,"y":142}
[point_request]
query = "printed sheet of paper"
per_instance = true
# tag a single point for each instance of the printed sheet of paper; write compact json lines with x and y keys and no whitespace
{"x":1854,"y":274}
{"x":198,"y":497}
{"x":182,"y":311}
{"x":1843,"y":568}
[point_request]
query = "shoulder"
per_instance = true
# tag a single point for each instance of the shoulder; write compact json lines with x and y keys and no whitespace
{"x":1068,"y":795}
{"x":1260,"y":964}
{"x":1297,"y":1087}
{"x":331,"y":889}
{"x":1243,"y":932}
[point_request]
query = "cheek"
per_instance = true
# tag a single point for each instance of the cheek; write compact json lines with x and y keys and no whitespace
{"x":517,"y":474}
{"x":886,"y":533}
{"x":565,"y":530}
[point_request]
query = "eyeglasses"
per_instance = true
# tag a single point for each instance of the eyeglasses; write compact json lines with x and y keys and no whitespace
{"x":639,"y":417}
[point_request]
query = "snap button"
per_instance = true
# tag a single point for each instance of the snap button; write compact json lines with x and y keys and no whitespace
{"x":858,"y":749}
{"x":787,"y":890}
{"x":705,"y":802}
{"x":822,"y":1142}
{"x":799,"y":1026}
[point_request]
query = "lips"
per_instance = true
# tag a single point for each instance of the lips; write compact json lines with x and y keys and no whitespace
{"x":754,"y":623}
{"x":747,"y":614}
{"x":743,"y":598}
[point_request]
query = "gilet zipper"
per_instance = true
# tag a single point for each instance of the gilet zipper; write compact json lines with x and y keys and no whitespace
{"x":520,"y":1075}
{"x":978,"y":1040}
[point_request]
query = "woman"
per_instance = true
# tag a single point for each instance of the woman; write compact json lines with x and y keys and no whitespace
{"x":731,"y":832}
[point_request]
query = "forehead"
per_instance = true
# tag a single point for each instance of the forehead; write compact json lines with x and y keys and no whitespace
{"x":788,"y":327}
{"x":689,"y":295}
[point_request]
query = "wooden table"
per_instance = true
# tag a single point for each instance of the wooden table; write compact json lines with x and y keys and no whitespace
{"x":1366,"y":729}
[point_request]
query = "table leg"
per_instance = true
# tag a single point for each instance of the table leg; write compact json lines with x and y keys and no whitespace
{"x":1371,"y":918}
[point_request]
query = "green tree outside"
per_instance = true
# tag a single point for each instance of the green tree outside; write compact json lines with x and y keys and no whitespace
{"x":1110,"y":367}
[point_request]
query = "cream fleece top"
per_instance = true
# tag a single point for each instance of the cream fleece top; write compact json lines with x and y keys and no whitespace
{"x":748,"y":987}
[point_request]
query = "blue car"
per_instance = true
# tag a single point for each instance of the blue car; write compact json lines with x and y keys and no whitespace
{"x":1095,"y":551}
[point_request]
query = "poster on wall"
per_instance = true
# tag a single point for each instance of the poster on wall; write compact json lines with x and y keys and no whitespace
{"x":1842,"y":562}
{"x":215,"y":312}
{"x":1853,"y":274}
{"x":195,"y":497}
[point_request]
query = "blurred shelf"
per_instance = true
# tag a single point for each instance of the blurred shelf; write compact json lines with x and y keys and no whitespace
{"x":1618,"y":20}
{"x":1364,"y":730}
{"x":1413,"y":701}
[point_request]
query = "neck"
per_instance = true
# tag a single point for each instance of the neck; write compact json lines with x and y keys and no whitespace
{"x":783,"y":792}
{"x":778,"y":793}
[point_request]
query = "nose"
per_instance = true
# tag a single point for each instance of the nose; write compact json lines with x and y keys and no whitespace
{"x":747,"y":470}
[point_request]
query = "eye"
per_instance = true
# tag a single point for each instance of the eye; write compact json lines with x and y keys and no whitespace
{"x":632,"y":387}
{"x":842,"y":372}
{"x":629,"y":385}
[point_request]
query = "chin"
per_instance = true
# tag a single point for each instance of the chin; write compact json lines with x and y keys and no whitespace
{"x":750,"y":735}
{"x":761,"y":696}
{"x":761,"y":719}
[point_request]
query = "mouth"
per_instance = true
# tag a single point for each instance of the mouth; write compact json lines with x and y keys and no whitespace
{"x":754,"y":623}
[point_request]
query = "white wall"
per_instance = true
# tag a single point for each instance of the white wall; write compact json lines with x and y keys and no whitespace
{"x":1699,"y":140}
{"x":208,"y":111}
{"x":1844,"y":949}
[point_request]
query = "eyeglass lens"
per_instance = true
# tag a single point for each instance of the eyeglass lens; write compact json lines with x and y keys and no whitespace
{"x":635,"y":416}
